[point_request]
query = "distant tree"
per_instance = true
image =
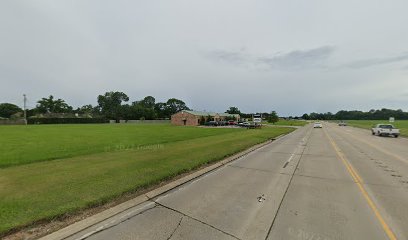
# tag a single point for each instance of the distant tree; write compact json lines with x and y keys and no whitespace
{"x":202,"y":120}
{"x":50,"y":105}
{"x":160,"y":110}
{"x":146,"y":108}
{"x":273,"y":117}
{"x":174,"y":105}
{"x":148,"y":102}
{"x":110,"y":104}
{"x":305,"y":116}
{"x":8,"y":109}
{"x":233,"y":110}
{"x":86,"y":109}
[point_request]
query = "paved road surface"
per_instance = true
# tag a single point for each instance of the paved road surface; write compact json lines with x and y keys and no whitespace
{"x":313,"y":184}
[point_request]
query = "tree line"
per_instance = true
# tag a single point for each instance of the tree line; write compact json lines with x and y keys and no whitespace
{"x":111,"y":105}
{"x":380,"y":114}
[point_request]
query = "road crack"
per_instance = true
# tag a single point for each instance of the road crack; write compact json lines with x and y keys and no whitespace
{"x":178,"y":225}
{"x":198,"y":220}
{"x":287,"y":188}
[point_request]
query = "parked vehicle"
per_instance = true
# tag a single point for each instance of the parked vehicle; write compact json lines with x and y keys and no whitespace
{"x":222,"y":123}
{"x":385,"y":130}
{"x":211,"y":123}
{"x":231,"y":122}
{"x":244,"y":124}
{"x":317,"y":125}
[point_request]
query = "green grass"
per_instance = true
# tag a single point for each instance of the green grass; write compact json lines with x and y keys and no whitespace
{"x":35,"y":143}
{"x":97,"y":171}
{"x":401,"y":124}
{"x":289,"y":123}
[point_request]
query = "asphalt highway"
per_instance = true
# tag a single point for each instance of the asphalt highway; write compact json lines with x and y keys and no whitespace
{"x":313,"y":184}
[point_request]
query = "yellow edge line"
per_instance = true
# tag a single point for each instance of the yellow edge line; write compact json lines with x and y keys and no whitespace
{"x":359,"y":182}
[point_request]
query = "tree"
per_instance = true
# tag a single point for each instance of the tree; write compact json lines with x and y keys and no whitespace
{"x":148,"y":102}
{"x":202,"y":120}
{"x":8,"y":109}
{"x":111,"y":104}
{"x":273,"y":117}
{"x":49,"y":105}
{"x":233,"y":110}
{"x":146,"y":108}
{"x":88,"y":110}
{"x":305,"y":116}
{"x":174,"y":105}
{"x":160,"y":110}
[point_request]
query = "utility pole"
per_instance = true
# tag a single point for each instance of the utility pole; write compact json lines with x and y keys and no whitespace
{"x":25,"y":109}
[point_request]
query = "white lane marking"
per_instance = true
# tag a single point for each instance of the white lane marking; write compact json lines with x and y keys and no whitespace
{"x":291,"y":157}
{"x":240,"y":158}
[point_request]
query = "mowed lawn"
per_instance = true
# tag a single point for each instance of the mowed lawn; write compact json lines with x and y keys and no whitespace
{"x":50,"y":170}
{"x":34,"y":143}
{"x":401,"y":124}
{"x":290,"y":123}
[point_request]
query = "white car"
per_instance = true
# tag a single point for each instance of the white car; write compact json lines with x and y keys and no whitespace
{"x":317,"y":125}
{"x":385,"y":130}
{"x":342,"y":124}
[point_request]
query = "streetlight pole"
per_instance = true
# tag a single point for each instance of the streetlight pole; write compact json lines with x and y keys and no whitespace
{"x":25,"y":109}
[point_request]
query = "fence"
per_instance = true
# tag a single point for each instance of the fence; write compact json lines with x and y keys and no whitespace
{"x":12,"y":122}
{"x":144,"y":121}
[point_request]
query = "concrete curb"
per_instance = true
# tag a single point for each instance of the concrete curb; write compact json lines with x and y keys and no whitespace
{"x":99,"y":217}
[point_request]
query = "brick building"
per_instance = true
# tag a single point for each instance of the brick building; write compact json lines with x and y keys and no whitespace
{"x":194,"y":118}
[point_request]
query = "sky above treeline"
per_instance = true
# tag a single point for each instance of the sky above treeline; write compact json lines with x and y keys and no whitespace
{"x":293,"y":56}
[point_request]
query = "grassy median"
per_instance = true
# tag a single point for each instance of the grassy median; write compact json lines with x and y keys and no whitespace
{"x":289,"y":123}
{"x":368,"y":124}
{"x":38,"y":181}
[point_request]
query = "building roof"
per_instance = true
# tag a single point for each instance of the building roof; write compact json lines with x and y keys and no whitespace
{"x":202,"y":113}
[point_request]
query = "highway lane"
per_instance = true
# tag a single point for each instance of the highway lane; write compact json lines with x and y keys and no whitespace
{"x":298,"y":187}
{"x":382,"y":163}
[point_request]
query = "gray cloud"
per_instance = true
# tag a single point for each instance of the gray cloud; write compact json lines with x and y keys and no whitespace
{"x":77,"y":49}
{"x":378,"y":61}
{"x":235,"y":58}
{"x":293,"y":60}
{"x":299,"y":59}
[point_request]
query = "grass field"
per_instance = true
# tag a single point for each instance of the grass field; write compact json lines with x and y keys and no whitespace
{"x":401,"y":124}
{"x":49,"y":170}
{"x":289,"y":123}
{"x":30,"y":144}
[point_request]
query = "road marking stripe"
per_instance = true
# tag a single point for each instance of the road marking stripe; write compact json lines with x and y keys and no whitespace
{"x":359,"y":182}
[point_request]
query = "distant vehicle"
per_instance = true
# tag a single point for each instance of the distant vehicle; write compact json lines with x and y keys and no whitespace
{"x":244,"y":124}
{"x":211,"y":123}
{"x":231,"y":122}
{"x":385,"y":130}
{"x":317,"y":125}
{"x":222,"y":123}
{"x":342,"y":123}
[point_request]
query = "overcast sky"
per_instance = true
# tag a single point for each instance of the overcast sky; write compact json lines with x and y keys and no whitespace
{"x":292,"y":56}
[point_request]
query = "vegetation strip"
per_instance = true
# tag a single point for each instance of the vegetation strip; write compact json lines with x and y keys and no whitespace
{"x":45,"y":190}
{"x":368,"y":124}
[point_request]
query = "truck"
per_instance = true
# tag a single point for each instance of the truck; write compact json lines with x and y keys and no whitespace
{"x":385,"y":130}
